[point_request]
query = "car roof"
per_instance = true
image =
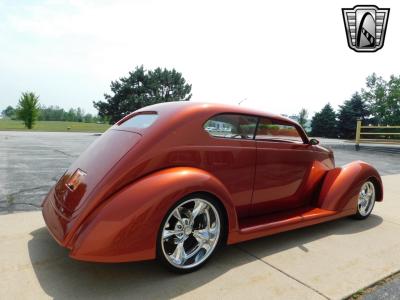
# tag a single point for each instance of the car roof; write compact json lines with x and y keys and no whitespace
{"x":177,"y":107}
{"x":172,"y":113}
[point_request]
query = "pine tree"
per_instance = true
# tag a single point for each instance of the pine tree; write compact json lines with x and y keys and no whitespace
{"x":324,"y":123}
{"x":302,"y":117}
{"x":349,"y":112}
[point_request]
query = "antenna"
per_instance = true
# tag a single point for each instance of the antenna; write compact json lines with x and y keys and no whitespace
{"x":240,"y":102}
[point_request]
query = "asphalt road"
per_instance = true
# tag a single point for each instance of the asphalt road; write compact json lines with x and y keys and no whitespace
{"x":390,"y":290}
{"x":31,"y":162}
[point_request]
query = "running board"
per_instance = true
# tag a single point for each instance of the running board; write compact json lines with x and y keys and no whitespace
{"x":255,"y":227}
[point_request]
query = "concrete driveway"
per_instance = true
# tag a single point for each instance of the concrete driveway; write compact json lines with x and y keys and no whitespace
{"x":327,"y":261}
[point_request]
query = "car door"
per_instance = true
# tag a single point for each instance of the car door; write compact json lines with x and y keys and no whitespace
{"x":283,"y":164}
{"x":230,"y":155}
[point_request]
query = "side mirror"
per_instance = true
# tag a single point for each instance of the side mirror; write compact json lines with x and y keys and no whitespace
{"x":313,"y":142}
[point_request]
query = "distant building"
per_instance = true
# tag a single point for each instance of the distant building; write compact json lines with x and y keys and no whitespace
{"x":217,"y":125}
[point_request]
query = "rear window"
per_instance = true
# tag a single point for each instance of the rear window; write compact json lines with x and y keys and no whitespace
{"x":140,"y":121}
{"x":231,"y":126}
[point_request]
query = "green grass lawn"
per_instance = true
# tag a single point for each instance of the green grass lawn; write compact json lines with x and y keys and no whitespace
{"x":6,"y":124}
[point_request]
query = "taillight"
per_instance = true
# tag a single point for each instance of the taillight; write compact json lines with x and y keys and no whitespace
{"x":76,"y":178}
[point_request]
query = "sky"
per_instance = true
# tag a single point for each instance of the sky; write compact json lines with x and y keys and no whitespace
{"x":280,"y":56}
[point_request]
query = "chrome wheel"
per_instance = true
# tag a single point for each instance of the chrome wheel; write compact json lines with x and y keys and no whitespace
{"x":366,"y":199}
{"x":190,"y":233}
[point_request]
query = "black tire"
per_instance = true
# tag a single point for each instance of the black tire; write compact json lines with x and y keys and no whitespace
{"x":366,"y":205}
{"x":163,"y":244}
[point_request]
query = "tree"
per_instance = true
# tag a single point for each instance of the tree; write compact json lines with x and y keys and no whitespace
{"x":28,"y":109}
{"x":70,"y":115}
{"x":324,"y":122}
{"x":392,"y":116}
{"x":88,"y":118}
{"x":349,"y":112}
{"x":80,"y":113}
{"x":383,"y":98}
{"x":9,"y":111}
{"x":55,"y":113}
{"x":51,"y":113}
{"x":142,"y":88}
{"x":302,"y":117}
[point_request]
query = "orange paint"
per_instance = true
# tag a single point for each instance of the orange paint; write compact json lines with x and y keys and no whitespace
{"x":135,"y":175}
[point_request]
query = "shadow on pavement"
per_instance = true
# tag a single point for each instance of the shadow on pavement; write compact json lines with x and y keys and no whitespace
{"x":301,"y":237}
{"x":61,"y":277}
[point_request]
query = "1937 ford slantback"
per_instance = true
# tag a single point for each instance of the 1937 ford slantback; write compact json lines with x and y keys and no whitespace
{"x":174,"y":181}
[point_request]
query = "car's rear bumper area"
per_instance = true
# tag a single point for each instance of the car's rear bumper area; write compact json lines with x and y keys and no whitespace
{"x":56,"y":223}
{"x":100,"y":242}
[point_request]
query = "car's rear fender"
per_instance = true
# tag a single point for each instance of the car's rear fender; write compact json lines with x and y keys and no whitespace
{"x":342,"y":185}
{"x":125,"y":226}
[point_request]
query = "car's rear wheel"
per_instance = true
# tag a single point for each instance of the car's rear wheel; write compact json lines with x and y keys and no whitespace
{"x":190,"y":233}
{"x":366,"y":200}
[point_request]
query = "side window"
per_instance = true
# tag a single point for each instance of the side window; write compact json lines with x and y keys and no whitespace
{"x":269,"y":129}
{"x":231,"y":126}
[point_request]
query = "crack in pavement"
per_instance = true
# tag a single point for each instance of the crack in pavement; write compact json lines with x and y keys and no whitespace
{"x":63,"y":152}
{"x":23,"y":191}
{"x":283,"y":272}
{"x":10,"y":200}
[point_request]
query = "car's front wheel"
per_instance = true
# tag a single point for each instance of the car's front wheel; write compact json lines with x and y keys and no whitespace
{"x":366,"y":200}
{"x":190,"y":233}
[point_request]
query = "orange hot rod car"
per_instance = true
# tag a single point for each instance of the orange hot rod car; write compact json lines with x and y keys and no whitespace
{"x":175,"y":181}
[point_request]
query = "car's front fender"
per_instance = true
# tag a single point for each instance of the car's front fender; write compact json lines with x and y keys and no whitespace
{"x":342,"y":185}
{"x":125,"y":226}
